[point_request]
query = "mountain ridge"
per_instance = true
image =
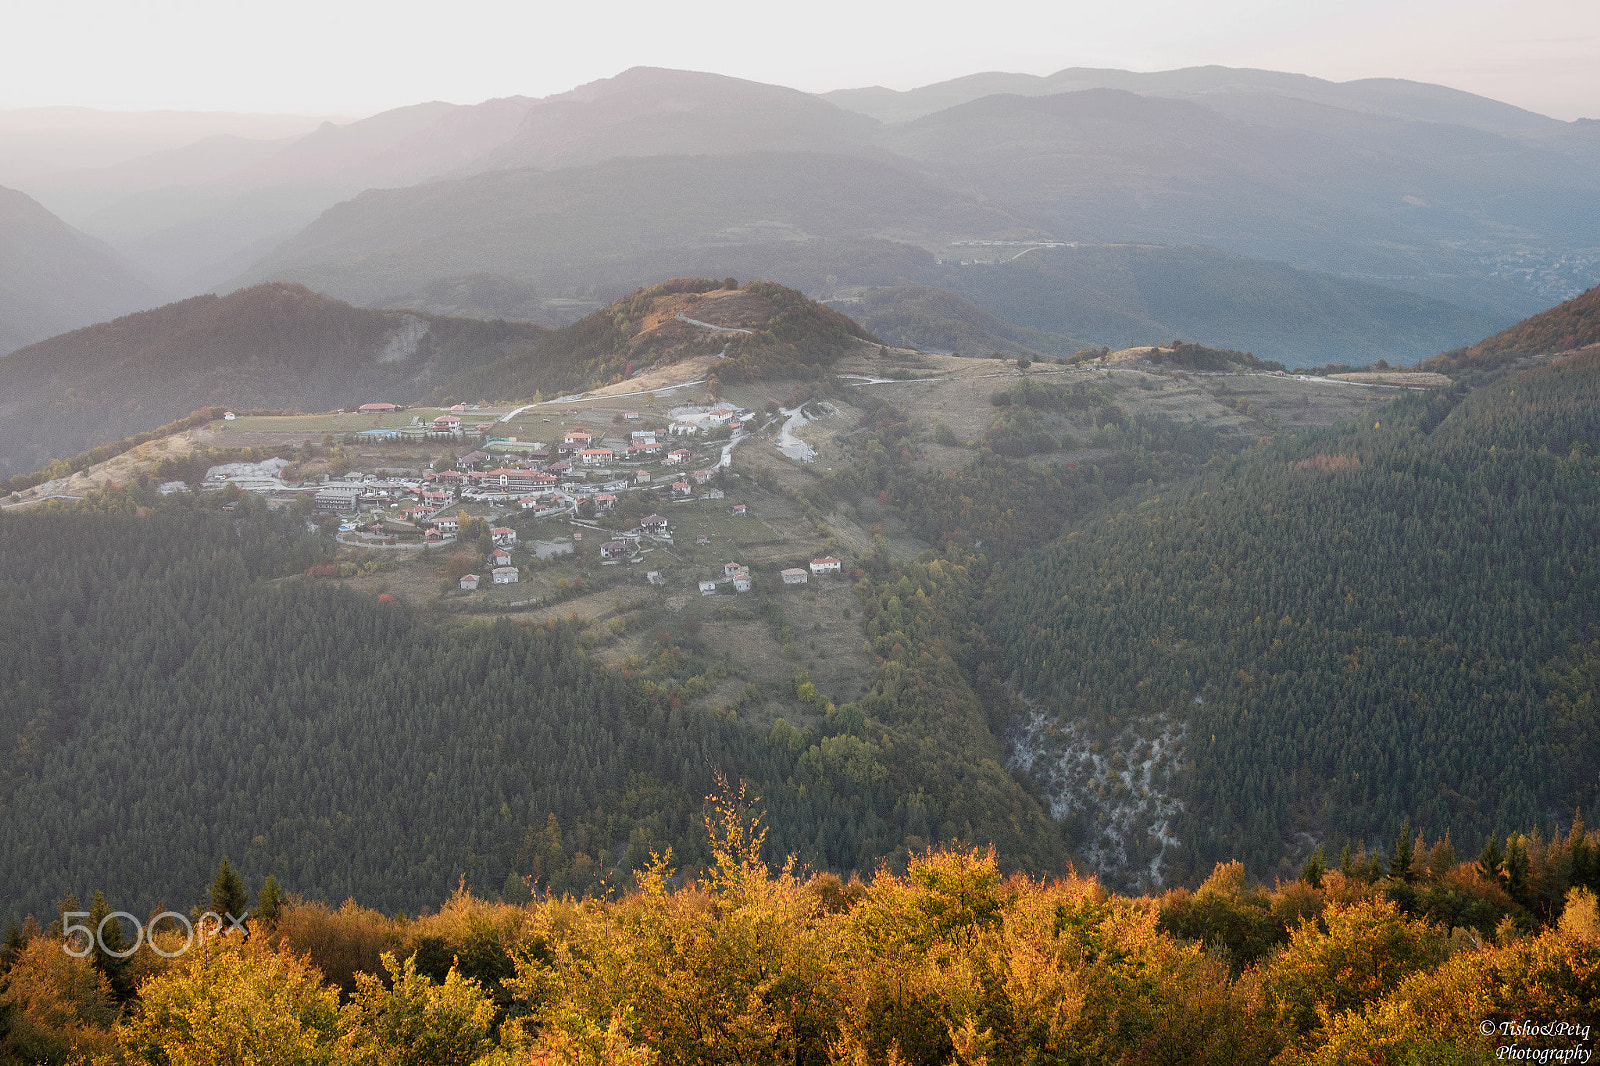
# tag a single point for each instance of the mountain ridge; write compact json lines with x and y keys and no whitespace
{"x":1569,"y":326}
{"x":269,"y":346}
{"x":54,"y":278}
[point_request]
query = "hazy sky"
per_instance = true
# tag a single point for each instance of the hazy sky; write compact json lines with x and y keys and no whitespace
{"x":353,"y":57}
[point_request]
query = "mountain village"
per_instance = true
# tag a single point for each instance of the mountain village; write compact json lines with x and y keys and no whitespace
{"x":521,"y":503}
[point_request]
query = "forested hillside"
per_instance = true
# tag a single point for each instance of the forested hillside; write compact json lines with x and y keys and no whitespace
{"x":173,"y":693}
{"x":1352,"y":628}
{"x":762,"y":330}
{"x":271,"y":346}
{"x":1570,"y":325}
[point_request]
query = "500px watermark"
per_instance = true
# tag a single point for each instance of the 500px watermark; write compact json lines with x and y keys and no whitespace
{"x":75,"y":932}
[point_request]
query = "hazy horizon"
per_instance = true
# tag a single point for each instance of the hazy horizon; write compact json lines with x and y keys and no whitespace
{"x":362,"y":58}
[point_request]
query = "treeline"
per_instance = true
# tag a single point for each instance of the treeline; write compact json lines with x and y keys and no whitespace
{"x":947,"y":962}
{"x":1386,"y":620}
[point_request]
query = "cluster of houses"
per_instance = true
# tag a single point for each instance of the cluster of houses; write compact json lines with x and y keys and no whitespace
{"x":503,"y":575}
{"x":544,"y":485}
{"x":739,"y":575}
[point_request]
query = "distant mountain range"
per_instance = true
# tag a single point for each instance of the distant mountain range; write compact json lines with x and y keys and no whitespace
{"x":54,"y":278}
{"x":1388,"y":97}
{"x":1487,"y":211}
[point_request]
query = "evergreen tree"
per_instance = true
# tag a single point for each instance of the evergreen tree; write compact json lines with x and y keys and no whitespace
{"x":228,"y":895}
{"x":1311,"y":873}
{"x":269,"y":902}
{"x":1404,"y":854}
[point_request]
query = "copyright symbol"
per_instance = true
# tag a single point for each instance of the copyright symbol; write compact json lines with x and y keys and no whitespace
{"x":1486,"y":1027}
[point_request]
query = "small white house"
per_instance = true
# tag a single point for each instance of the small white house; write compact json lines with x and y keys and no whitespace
{"x":504,"y":536}
{"x":794,"y":576}
{"x":655,"y":577}
{"x":501,"y":557}
{"x":736,"y":510}
{"x":469,"y":583}
{"x":729,"y":569}
{"x":505,"y":575}
{"x":653,"y":524}
{"x":708,"y":588}
{"x":228,"y":416}
{"x":613,"y":549}
{"x":741,"y":581}
{"x":826,"y":565}
{"x":682,"y":488}
{"x":678,"y":457}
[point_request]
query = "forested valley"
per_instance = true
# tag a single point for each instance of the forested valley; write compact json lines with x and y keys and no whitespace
{"x":1185,"y":669}
{"x":1354,"y":627}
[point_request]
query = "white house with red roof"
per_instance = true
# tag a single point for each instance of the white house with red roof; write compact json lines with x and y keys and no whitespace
{"x":504,"y":536}
{"x":826,"y":565}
